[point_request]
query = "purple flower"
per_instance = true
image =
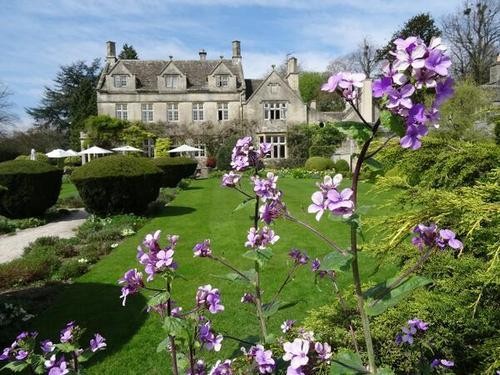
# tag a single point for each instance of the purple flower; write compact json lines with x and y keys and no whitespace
{"x":210,"y":298}
{"x":424,"y":78}
{"x":266,"y":188}
{"x":222,"y":368}
{"x":243,"y":154}
{"x":272,"y":210}
{"x":340,"y":203}
{"x":265,"y":362}
{"x":133,"y":282}
{"x":401,"y":98}
{"x":444,"y":90}
{"x":409,"y":53}
{"x":408,"y":332}
{"x":332,"y":83}
{"x":67,"y":332}
{"x":47,"y":346}
{"x":264,"y":149}
{"x":318,"y":205}
{"x":417,"y":114}
{"x":157,"y":259}
{"x":97,"y":343}
{"x":202,"y":249}
{"x":5,"y":354}
{"x":448,"y":237}
{"x":287,"y":325}
{"x":438,"y":62}
{"x":296,"y":352}
{"x":56,"y":367}
{"x":426,"y":236}
{"x":352,"y":79}
{"x":442,"y":363}
{"x":298,"y":257}
{"x":164,"y":259}
{"x":261,"y":238}
{"x":315,"y":265}
{"x":21,"y":354}
{"x":230,"y":179}
{"x":151,"y":241}
{"x":330,"y":183}
{"x":324,"y":351}
{"x":199,"y":368}
{"x":208,"y":338}
{"x":414,"y":132}
{"x":247,"y":298}
{"x":382,"y":86}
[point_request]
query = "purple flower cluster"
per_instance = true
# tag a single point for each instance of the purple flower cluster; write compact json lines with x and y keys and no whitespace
{"x":56,"y":366}
{"x":208,"y":338}
{"x":156,"y":259}
{"x":132,"y":282}
{"x":244,"y":155}
{"x":19,"y":349}
{"x":202,"y":249}
{"x":222,"y":368}
{"x":316,"y":268}
{"x":414,"y":326}
{"x":263,"y":359}
{"x":199,"y":368}
{"x":248,"y":298}
{"x":304,"y":354}
{"x":346,"y":83}
{"x":417,"y":70}
{"x":444,"y":363}
{"x":230,"y":179}
{"x":261,"y":238}
{"x":287,"y":325}
{"x":429,"y":236}
{"x":298,"y":257}
{"x":328,"y":198}
{"x":209,"y":297}
{"x":266,"y":188}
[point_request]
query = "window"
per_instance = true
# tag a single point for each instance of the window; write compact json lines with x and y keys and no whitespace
{"x":120,"y":80}
{"x":197,"y":111}
{"x":275,"y":111}
{"x":147,"y":112}
{"x":172,"y":112}
{"x":278,"y":144}
{"x":171,"y":81}
{"x":148,"y":145}
{"x":222,"y":80}
{"x":273,"y":87}
{"x":202,"y":146}
{"x":121,"y":111}
{"x":222,"y":112}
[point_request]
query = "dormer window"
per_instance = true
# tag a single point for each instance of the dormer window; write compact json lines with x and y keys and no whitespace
{"x":274,"y":87}
{"x":172,"y":81}
{"x":222,"y":80}
{"x":120,"y":80}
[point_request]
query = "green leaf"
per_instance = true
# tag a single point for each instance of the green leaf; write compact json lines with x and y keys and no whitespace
{"x":162,"y":346}
{"x":384,"y":371}
{"x":270,"y":339}
{"x":85,"y":356}
{"x":336,"y":262}
{"x":159,"y":298}
{"x":393,"y":122}
{"x":373,"y":164}
{"x":173,"y":326}
{"x":261,"y":255}
{"x":357,"y":130}
{"x":380,"y":298}
{"x":243,"y":204}
{"x":272,"y":308}
{"x":66,"y":347}
{"x":233,"y":276}
{"x":347,"y":362}
{"x":16,"y":366}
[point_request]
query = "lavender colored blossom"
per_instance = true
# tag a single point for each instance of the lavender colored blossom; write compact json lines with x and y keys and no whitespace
{"x":329,"y":198}
{"x":264,"y":149}
{"x":408,"y":332}
{"x":47,"y":346}
{"x":209,"y":298}
{"x":409,"y":53}
{"x":5,"y":354}
{"x":243,"y":154}
{"x":442,"y":363}
{"x":266,"y":188}
{"x":155,"y":259}
{"x":424,"y":78}
{"x":448,"y":237}
{"x":345,"y":82}
{"x":298,"y":257}
{"x":412,"y":138}
{"x":97,"y":343}
{"x":323,"y":350}
{"x":230,"y":179}
{"x":207,"y":337}
{"x":56,"y":367}
{"x":222,"y":368}
{"x":382,"y":86}
{"x":202,"y":249}
{"x":429,"y":236}
{"x":21,"y":354}
{"x":296,"y":352}
{"x":401,"y":98}
{"x":332,"y":83}
{"x":438,"y":62}
{"x":67,"y":333}
{"x":287,"y":325}
{"x":340,"y":203}
{"x":315,"y":265}
{"x":444,"y":91}
{"x":132,"y":281}
{"x":248,"y":298}
{"x":272,"y":210}
{"x":263,"y":358}
{"x":199,"y":368}
{"x":318,"y":205}
{"x":261,"y":238}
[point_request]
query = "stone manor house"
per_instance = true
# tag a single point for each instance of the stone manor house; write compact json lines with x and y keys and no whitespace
{"x":180,"y":93}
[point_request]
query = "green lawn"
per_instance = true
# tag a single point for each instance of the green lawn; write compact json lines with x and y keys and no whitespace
{"x":68,"y":190}
{"x":204,"y":210}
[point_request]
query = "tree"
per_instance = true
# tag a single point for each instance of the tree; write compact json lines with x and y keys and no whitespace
{"x":6,"y":115}
{"x":104,"y":131}
{"x":421,"y":25}
{"x":310,"y":89}
{"x":474,"y":34}
{"x":362,"y":60}
{"x":65,"y":106}
{"x":128,"y":53}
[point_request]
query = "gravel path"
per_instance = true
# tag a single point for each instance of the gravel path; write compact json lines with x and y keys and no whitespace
{"x":12,"y":246}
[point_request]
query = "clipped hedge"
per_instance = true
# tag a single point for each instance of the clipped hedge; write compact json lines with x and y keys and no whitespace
{"x":342,"y":166}
{"x":224,"y":153}
{"x":318,"y":163}
{"x":175,"y":169}
{"x":324,"y":151}
{"x":117,"y":184}
{"x":31,"y":187}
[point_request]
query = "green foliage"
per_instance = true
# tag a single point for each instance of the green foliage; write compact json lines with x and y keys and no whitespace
{"x":458,"y":115}
{"x":39,"y":156}
{"x":356,"y":130}
{"x":128,"y":53}
{"x":32,"y":187}
{"x":310,"y":85}
{"x":162,"y":146}
{"x":497,"y":130}
{"x":324,"y":151}
{"x":302,"y":173}
{"x":224,"y":153}
{"x":328,"y":135}
{"x":72,"y":268}
{"x":317,"y":163}
{"x":117,"y":184}
{"x":299,"y":141}
{"x":135,"y":134}
{"x":342,"y":166}
{"x":104,"y":131}
{"x":175,"y":169}
{"x":304,"y":141}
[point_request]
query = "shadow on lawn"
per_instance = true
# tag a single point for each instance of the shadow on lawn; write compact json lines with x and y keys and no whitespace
{"x":177,"y":210}
{"x":95,"y":307}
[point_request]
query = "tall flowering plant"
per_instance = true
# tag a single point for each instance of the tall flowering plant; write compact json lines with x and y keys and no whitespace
{"x":414,"y":84}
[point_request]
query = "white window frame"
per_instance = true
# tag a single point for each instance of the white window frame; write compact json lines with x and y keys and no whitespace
{"x":202,"y":146}
{"x":171,"y":81}
{"x":198,"y":114}
{"x":222,"y":111}
{"x":279,"y":149}
{"x":172,"y":112}
{"x":120,"y":80}
{"x":147,"y":112}
{"x":121,"y":111}
{"x":273,"y":87}
{"x":275,"y":111}
{"x":222,"y":80}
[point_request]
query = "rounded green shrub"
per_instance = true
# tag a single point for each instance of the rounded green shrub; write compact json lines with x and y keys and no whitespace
{"x":342,"y":166}
{"x":72,"y":268}
{"x":175,"y":169}
{"x":318,"y":163}
{"x":224,"y":153}
{"x":31,"y":187}
{"x":117,"y":184}
{"x":39,"y":156}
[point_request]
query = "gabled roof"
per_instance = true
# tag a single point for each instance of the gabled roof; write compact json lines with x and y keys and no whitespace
{"x":251,"y":85}
{"x":196,"y":71}
{"x":257,"y":84}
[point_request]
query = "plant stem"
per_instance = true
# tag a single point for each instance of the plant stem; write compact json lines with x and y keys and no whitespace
{"x":354,"y":251}
{"x":244,"y":193}
{"x":258,"y":304}
{"x":75,"y":363}
{"x":361,"y":117}
{"x":287,"y":279}
{"x":175,"y":369}
{"x":225,"y":263}
{"x":343,"y":304}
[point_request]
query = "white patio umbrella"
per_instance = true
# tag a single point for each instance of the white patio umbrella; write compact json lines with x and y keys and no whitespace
{"x":57,"y":154}
{"x":94,"y":150}
{"x":185,"y":148}
{"x":125,"y":149}
{"x":70,"y":152}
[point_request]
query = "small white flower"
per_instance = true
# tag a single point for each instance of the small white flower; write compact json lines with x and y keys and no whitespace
{"x":114,"y":245}
{"x":82,"y":260}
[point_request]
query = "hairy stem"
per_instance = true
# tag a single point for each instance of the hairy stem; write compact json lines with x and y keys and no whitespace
{"x":258,"y":305}
{"x":173,"y":350}
{"x":354,"y":251}
{"x":244,"y":193}
{"x":360,"y":116}
{"x":291,"y":271}
{"x":228,"y":265}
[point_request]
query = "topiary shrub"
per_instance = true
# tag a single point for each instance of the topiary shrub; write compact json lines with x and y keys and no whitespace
{"x":324,"y":151}
{"x":342,"y":166}
{"x":175,"y":169}
{"x":224,"y":154}
{"x":32,"y":187}
{"x":117,"y":184}
{"x":318,"y":163}
{"x":39,"y":156}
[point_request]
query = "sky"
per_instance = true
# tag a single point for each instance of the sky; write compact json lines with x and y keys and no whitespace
{"x":38,"y":36}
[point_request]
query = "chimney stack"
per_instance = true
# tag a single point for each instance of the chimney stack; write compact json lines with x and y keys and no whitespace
{"x":110,"y":52}
{"x":203,"y":55}
{"x":236,"y":52}
{"x":292,"y":73}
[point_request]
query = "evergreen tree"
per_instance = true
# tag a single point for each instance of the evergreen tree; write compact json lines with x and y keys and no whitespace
{"x":128,"y":53}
